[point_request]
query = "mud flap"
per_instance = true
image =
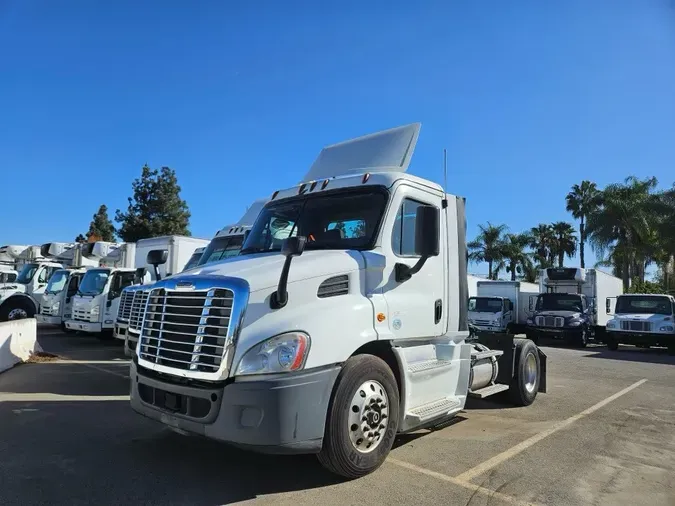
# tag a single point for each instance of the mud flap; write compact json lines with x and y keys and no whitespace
{"x":542,"y":371}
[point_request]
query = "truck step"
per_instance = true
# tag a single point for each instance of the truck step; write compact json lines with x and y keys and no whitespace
{"x":427,"y":365}
{"x":489,"y":390}
{"x":487,"y":354}
{"x":432,"y":409}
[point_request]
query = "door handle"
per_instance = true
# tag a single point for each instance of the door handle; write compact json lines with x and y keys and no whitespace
{"x":438,"y":310}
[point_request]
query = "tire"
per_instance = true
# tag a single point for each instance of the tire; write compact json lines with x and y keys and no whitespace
{"x":339,"y":454}
{"x":582,"y":340}
{"x":12,"y":307}
{"x":527,"y":374}
{"x":611,"y":343}
{"x":532,"y":337}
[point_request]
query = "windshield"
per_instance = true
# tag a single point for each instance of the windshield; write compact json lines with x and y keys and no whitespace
{"x":485,"y":304}
{"x":645,"y":304}
{"x":94,"y":281}
{"x":559,"y":302}
{"x":27,"y":273}
{"x":193,"y":262}
{"x":221,"y":248}
{"x":57,"y":282}
{"x":348,"y":220}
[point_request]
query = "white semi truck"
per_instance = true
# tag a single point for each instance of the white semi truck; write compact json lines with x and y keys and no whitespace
{"x":332,"y":341}
{"x":57,"y":299}
{"x":96,"y":302}
{"x":22,"y":298}
{"x":226,"y":244}
{"x":642,"y":320}
{"x":567,"y":306}
{"x":501,"y":306}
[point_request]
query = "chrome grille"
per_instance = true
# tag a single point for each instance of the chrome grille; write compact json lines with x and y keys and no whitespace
{"x":483,"y":322}
{"x":46,"y":310}
{"x":186,"y":329}
{"x":137,"y":309}
{"x":550,"y":321}
{"x":82,"y":315}
{"x":636,"y":325}
{"x":124,"y":310}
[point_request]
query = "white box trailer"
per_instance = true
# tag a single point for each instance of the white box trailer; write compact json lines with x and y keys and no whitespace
{"x":501,"y":306}
{"x":571,"y":304}
{"x":179,"y":248}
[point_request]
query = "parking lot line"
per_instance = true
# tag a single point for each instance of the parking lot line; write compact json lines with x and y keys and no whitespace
{"x":477,"y":489}
{"x":515,"y":450}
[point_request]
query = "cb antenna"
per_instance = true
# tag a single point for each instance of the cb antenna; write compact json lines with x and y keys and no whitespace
{"x":445,"y":178}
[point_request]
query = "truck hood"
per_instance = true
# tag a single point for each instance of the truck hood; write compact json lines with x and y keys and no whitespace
{"x":643,"y":317}
{"x":262,"y":270}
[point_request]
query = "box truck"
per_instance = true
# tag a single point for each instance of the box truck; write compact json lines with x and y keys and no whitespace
{"x":642,"y":320}
{"x":332,"y":340}
{"x":567,"y":307}
{"x":179,"y":248}
{"x":501,"y":306}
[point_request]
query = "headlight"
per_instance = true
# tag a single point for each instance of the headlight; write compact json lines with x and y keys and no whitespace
{"x":530,"y":321}
{"x":95,"y":310}
{"x":496,"y":322}
{"x":666,"y":328}
{"x":56,"y":306}
{"x":611,"y":325}
{"x":284,"y":353}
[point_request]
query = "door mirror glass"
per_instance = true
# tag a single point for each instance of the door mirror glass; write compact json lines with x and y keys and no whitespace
{"x":427,"y":231}
{"x":608,"y":306}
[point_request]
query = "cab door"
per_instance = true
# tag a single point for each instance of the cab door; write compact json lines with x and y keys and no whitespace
{"x":415,"y":306}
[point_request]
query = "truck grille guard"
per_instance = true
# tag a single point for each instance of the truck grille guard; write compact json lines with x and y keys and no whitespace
{"x":189,"y":325}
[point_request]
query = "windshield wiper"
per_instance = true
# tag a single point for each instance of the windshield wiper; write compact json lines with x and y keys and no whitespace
{"x":256,"y":249}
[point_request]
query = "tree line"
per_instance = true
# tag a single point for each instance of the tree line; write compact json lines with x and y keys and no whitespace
{"x":630,"y":225}
{"x":155,"y":209}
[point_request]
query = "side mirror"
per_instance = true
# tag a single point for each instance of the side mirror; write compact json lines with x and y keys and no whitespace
{"x":157,"y":257}
{"x":291,"y":247}
{"x":608,"y":306}
{"x":427,"y":232}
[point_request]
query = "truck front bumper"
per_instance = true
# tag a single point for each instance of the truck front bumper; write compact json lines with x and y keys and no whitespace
{"x":281,"y":413}
{"x":48,"y":320}
{"x":130,"y":344}
{"x":640,"y":338}
{"x":93,"y":327}
{"x":554,"y":333}
{"x":120,"y":330}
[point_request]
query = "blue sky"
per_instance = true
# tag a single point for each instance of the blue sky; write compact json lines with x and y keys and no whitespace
{"x":239,"y":97}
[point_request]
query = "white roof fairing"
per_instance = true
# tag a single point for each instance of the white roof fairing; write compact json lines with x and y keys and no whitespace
{"x":385,"y":151}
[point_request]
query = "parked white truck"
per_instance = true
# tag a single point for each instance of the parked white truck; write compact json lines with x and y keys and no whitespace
{"x":22,"y":298}
{"x":501,"y":306}
{"x":335,"y":339}
{"x":57,"y":299}
{"x":567,"y":307}
{"x":7,"y":275}
{"x":96,"y":302}
{"x":642,"y":320}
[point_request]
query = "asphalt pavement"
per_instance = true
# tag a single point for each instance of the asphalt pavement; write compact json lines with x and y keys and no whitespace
{"x":603,"y":435}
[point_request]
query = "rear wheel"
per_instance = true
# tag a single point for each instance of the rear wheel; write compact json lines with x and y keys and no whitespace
{"x":583,"y":338}
{"x":16,"y":310}
{"x":612,"y":344}
{"x":362,"y":418}
{"x":525,"y":383}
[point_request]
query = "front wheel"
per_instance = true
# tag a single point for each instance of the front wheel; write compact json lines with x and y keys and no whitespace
{"x":527,"y":373}
{"x":16,"y":310}
{"x":362,"y":418}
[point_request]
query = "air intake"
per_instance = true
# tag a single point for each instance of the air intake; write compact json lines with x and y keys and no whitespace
{"x":332,"y":287}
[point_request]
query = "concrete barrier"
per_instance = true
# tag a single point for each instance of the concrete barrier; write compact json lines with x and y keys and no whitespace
{"x":18,"y":340}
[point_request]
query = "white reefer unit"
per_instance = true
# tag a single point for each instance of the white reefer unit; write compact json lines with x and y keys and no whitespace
{"x":180,"y":249}
{"x":501,"y":306}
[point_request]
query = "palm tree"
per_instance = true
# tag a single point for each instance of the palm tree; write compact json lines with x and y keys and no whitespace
{"x":517,"y":260}
{"x":541,"y":241}
{"x":487,"y":247}
{"x":564,"y":241}
{"x":581,"y":201}
{"x":623,"y":224}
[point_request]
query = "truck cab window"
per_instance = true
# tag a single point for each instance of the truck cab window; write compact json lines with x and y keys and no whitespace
{"x":119,"y":282}
{"x":73,"y":284}
{"x":45,"y":274}
{"x":403,"y":235}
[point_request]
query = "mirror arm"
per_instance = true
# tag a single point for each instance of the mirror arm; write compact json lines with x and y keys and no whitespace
{"x":279,"y":298}
{"x":404,"y":273}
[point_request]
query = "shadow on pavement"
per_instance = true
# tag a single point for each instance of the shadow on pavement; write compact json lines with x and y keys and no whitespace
{"x":632,"y":354}
{"x":101,"y":452}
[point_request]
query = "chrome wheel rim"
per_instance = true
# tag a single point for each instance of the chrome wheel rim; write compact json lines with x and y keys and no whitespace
{"x":530,"y":372}
{"x":368,"y":416}
{"x":17,"y":314}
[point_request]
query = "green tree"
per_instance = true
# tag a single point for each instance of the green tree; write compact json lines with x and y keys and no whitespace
{"x":156,"y":208}
{"x":516,"y":258}
{"x":101,"y":228}
{"x":541,"y":241}
{"x":623,"y":225}
{"x":581,"y":201}
{"x":487,"y":247}
{"x":80,"y":238}
{"x":564,"y":241}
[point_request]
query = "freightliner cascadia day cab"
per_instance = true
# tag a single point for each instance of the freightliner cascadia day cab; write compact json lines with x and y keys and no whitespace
{"x":180,"y":250}
{"x":501,"y":306}
{"x":643,"y":320}
{"x":97,"y":299}
{"x":567,"y":307}
{"x":22,"y":298}
{"x":226,"y":243}
{"x":57,"y":299}
{"x":331,"y":341}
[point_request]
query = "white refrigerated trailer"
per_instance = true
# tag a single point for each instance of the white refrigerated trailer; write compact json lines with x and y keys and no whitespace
{"x":501,"y":306}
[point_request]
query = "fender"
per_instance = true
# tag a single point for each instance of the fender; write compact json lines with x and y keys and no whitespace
{"x":23,"y":298}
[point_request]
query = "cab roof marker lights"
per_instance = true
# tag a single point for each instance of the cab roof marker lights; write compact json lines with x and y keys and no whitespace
{"x":324,"y":184}
{"x":366,"y":177}
{"x":274,"y":195}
